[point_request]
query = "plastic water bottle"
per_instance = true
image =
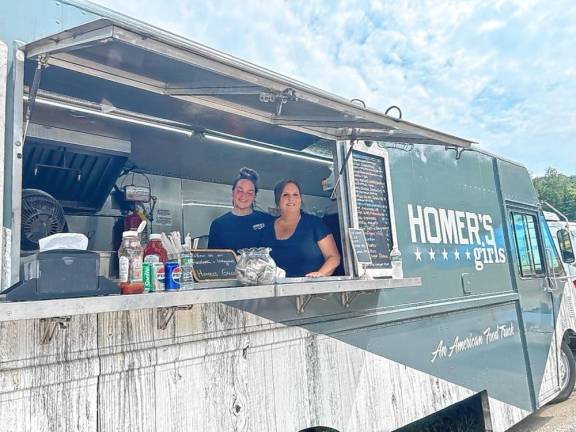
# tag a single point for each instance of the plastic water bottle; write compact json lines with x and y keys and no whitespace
{"x":396,"y":261}
{"x":186,"y":275}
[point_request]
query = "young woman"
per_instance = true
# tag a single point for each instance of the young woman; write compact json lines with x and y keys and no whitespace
{"x":301,"y":244}
{"x":243,"y":226}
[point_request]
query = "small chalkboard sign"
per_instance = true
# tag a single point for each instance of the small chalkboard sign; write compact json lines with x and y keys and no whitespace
{"x":213,"y":264}
{"x":360,"y":246}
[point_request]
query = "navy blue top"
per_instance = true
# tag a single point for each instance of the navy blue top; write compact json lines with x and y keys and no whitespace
{"x":299,"y":254}
{"x":238,"y":232}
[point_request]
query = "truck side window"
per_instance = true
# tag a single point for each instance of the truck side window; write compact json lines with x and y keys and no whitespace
{"x":556,"y":267}
{"x":527,"y":245}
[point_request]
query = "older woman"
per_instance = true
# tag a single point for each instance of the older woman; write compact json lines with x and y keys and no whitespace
{"x":242,"y":227}
{"x":301,"y":244}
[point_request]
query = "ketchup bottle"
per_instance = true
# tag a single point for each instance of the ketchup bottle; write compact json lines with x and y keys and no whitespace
{"x":154,"y":251}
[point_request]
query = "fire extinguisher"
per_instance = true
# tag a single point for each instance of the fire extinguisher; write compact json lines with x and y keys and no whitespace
{"x":132,"y":220}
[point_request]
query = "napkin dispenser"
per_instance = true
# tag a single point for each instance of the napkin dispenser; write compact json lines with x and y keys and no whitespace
{"x":60,"y":273}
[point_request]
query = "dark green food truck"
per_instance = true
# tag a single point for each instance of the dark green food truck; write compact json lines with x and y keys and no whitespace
{"x":450,"y":303}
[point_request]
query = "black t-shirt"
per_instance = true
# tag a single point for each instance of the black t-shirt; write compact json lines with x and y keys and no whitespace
{"x":299,"y":254}
{"x":238,"y":232}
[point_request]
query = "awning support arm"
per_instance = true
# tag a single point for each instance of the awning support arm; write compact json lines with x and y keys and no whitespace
{"x":40,"y":66}
{"x":344,"y":164}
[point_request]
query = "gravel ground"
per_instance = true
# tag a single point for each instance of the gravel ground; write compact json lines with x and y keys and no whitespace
{"x":552,"y":418}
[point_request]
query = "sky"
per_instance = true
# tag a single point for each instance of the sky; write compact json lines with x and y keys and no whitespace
{"x":498,"y":72}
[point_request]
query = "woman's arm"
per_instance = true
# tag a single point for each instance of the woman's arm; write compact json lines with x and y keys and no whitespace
{"x":331,"y":257}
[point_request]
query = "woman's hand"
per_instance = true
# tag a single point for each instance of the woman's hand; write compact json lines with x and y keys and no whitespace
{"x":315,"y":274}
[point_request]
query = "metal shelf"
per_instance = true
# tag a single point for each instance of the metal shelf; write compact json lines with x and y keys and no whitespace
{"x":203,"y":293}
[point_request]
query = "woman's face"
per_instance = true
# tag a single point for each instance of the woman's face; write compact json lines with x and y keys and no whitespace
{"x":243,"y":195}
{"x":290,"y":199}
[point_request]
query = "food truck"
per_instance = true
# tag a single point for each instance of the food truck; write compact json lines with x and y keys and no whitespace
{"x":103,"y":115}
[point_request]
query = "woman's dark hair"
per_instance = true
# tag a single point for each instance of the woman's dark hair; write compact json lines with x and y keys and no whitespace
{"x":279,"y":188}
{"x":247,"y":174}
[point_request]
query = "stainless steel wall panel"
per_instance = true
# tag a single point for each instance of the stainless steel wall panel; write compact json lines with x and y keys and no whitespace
{"x":168,"y":213}
{"x":99,"y":227}
{"x":203,"y":202}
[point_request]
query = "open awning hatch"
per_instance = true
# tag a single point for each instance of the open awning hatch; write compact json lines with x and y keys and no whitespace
{"x":200,"y":81}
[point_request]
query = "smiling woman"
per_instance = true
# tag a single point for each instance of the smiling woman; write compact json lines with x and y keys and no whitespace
{"x":242,"y":226}
{"x":301,"y":243}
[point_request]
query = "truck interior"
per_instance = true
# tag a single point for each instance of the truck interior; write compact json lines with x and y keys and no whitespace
{"x":108,"y":105}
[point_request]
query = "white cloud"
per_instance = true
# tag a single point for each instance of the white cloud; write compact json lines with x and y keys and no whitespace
{"x":500,"y":72}
{"x":491,"y":25}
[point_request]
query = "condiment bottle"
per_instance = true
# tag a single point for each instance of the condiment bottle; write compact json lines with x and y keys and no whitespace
{"x":154,"y":251}
{"x":130,"y":260}
{"x":155,"y":256}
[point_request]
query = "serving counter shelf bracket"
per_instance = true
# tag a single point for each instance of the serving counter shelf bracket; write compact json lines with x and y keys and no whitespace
{"x":48,"y":327}
{"x":164,"y":315}
{"x":348,"y":288}
{"x":348,"y":297}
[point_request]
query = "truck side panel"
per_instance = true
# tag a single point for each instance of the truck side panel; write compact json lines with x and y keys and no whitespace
{"x":515,"y":180}
{"x":214,"y":368}
{"x":426,"y":327}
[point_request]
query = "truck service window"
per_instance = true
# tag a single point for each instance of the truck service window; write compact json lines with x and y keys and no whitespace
{"x":527,"y":245}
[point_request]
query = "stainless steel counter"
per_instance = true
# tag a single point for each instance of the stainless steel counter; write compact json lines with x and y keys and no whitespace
{"x":206,"y":292}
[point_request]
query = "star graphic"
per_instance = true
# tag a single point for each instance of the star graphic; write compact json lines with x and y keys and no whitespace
{"x":445,"y":255}
{"x":432,"y":255}
{"x":467,"y":254}
{"x":457,"y":255}
{"x":418,"y":255}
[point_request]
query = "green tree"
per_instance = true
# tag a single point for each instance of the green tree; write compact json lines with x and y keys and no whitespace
{"x":559,"y":190}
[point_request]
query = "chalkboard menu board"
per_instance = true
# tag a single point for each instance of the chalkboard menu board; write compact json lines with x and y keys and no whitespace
{"x":372,"y":206}
{"x":360,"y":246}
{"x":213,"y":264}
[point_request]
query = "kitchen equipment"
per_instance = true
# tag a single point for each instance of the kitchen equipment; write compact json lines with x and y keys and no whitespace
{"x":42,"y":216}
{"x":58,"y":274}
{"x":77,"y":168}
